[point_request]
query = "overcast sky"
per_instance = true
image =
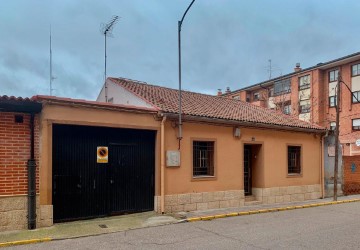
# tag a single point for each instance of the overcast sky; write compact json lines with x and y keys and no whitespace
{"x":225,"y":42}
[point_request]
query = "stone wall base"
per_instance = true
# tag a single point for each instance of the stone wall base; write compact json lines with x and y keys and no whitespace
{"x":13,"y":213}
{"x":201,"y":201}
{"x":287,"y":194}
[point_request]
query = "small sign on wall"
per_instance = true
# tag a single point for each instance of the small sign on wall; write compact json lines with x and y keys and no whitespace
{"x":172,"y":158}
{"x":102,"y":154}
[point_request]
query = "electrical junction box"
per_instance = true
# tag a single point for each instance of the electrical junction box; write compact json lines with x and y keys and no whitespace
{"x":173,"y":158}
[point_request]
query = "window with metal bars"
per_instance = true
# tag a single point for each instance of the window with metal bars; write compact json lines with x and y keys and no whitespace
{"x":203,"y":158}
{"x":294,"y":161}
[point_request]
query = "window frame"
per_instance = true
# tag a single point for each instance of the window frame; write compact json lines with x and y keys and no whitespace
{"x":305,"y":110}
{"x":358,"y":69}
{"x":214,"y":159}
{"x":284,"y":83}
{"x":352,"y":124}
{"x":300,"y":160}
{"x":335,"y":78}
{"x":330,"y":103}
{"x":357,"y":94}
{"x":304,"y":86}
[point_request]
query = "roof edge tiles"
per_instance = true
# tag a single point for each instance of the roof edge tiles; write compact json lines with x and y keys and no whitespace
{"x":217,"y":108}
{"x":82,"y":102}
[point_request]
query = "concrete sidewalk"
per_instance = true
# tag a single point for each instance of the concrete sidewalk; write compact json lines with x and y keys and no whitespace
{"x":126,"y":222}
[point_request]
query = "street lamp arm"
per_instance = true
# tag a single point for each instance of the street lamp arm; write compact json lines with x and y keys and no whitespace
{"x":182,"y":19}
{"x":341,"y":81}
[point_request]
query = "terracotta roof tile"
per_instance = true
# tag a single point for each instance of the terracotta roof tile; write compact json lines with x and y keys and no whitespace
{"x":218,"y":107}
{"x":14,"y":98}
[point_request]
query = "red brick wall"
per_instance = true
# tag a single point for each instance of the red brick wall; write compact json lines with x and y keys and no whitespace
{"x":15,"y":152}
{"x":351,"y":174}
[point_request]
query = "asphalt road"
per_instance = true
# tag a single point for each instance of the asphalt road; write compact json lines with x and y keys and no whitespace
{"x":328,"y":227}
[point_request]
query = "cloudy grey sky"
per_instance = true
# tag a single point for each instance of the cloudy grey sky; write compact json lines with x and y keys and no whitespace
{"x":225,"y":42}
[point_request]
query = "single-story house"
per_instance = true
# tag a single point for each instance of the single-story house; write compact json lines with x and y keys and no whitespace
{"x":122,"y":156}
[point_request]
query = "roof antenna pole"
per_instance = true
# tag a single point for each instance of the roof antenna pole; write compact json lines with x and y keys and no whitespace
{"x":51,"y":75}
{"x":179,"y":49}
{"x":106,"y":30}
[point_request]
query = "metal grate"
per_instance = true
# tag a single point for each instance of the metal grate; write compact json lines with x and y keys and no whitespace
{"x":203,"y":158}
{"x":294,"y":166}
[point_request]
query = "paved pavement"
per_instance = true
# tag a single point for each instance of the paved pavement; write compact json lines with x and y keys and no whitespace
{"x":324,"y":227}
{"x":127,"y":222}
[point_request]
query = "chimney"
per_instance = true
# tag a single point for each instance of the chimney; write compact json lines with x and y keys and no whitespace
{"x":227,"y":90}
{"x":219,"y":92}
{"x":297,"y":67}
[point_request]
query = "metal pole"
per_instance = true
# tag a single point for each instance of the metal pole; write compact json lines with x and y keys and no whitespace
{"x":337,"y":129}
{"x":106,"y":91}
{"x":179,"y":50}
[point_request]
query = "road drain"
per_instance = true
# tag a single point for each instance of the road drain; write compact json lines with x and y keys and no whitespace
{"x":103,"y":226}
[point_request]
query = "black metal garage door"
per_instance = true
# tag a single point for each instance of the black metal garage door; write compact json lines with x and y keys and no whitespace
{"x":83,"y":188}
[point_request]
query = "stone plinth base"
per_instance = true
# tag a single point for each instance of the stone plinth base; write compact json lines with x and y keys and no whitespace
{"x":287,"y":194}
{"x":201,"y":201}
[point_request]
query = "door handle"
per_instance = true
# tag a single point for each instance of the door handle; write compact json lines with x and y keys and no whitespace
{"x":94,"y":184}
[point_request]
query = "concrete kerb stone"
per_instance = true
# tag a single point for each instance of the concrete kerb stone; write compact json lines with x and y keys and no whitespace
{"x":278,"y":209}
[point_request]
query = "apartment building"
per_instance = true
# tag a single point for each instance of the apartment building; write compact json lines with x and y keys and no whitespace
{"x":310,"y":95}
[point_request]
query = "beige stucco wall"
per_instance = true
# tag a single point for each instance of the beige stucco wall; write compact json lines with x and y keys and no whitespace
{"x":271,"y":161}
{"x":57,"y":114}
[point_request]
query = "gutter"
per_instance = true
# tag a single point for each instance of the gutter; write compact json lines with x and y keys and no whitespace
{"x":218,"y":121}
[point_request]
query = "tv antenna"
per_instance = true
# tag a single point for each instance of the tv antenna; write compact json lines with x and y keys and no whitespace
{"x":51,"y":75}
{"x":106,"y":30}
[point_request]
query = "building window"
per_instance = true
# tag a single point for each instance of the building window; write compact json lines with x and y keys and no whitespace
{"x":332,"y":125}
{"x":355,"y":70}
{"x":332,"y":101}
{"x":356,"y":124}
{"x":282,"y":87}
{"x":304,"y":82}
{"x":304,"y":108}
{"x":287,"y":109}
{"x":271,"y":92}
{"x":203,"y":158}
{"x":355,"y":97}
{"x":294,"y":160}
{"x":256,"y":96}
{"x":333,"y":75}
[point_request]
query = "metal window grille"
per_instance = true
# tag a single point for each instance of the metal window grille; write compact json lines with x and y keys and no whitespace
{"x":294,"y":161}
{"x":203,"y":158}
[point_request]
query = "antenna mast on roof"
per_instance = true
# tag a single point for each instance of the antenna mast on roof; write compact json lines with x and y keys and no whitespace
{"x":106,"y":30}
{"x":51,"y":75}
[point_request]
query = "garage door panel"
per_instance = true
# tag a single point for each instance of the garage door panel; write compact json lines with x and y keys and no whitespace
{"x":124,"y":185}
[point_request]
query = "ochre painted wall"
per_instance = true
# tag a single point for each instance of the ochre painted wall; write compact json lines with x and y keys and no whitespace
{"x":271,"y":161}
{"x":56,"y":114}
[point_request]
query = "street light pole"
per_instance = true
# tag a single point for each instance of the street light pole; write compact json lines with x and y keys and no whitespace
{"x":179,"y":50}
{"x":337,"y":128}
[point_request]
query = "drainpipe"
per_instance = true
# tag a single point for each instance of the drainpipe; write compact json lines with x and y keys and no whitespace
{"x":31,"y":168}
{"x":162,"y":166}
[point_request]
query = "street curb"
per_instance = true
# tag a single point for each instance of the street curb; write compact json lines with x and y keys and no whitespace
{"x":269,"y":210}
{"x":24,"y":242}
